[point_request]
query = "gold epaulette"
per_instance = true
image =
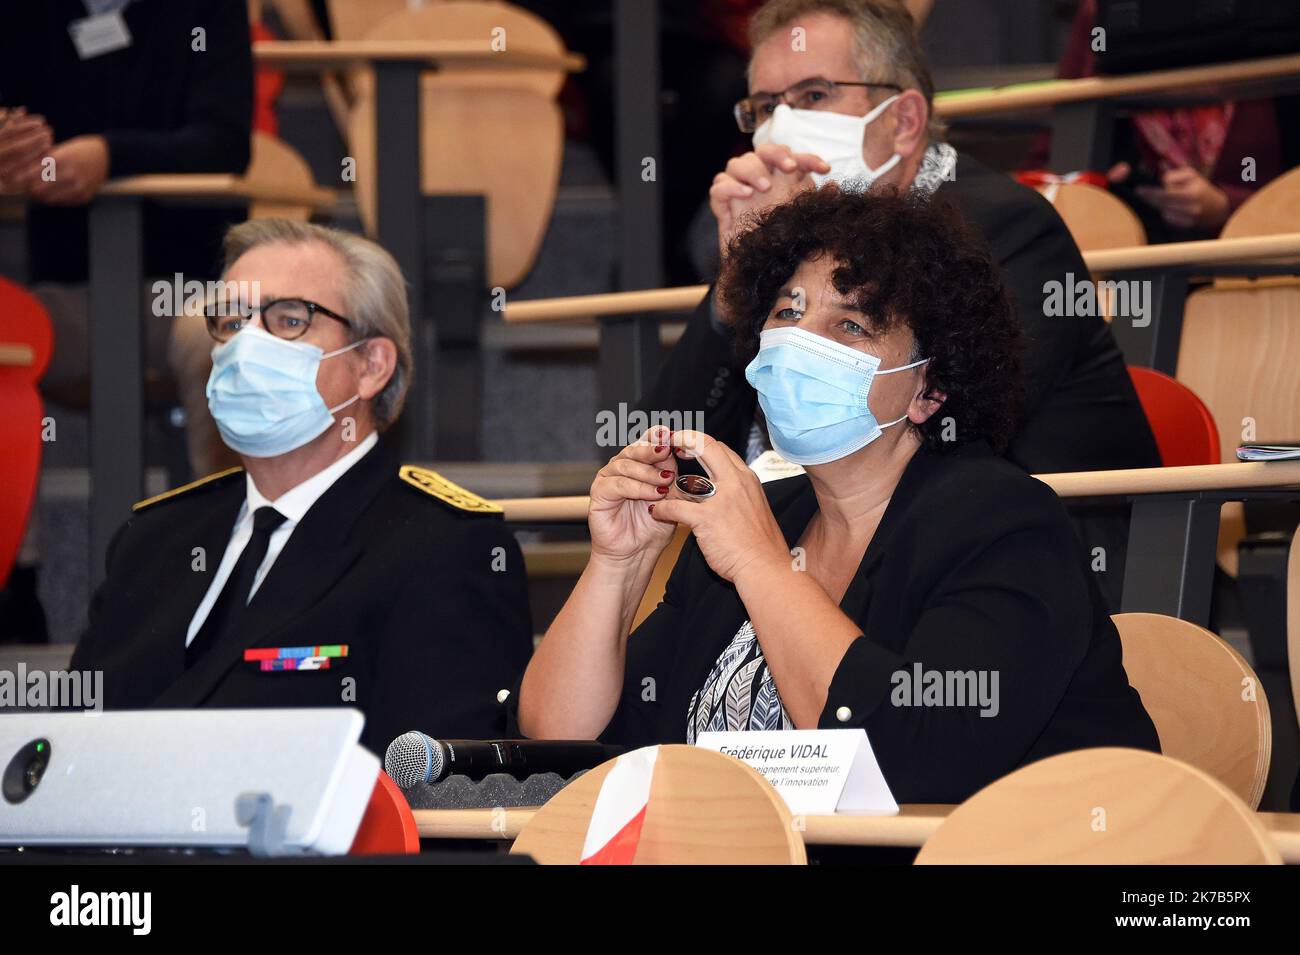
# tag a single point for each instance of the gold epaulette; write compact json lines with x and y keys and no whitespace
{"x":435,"y":485}
{"x":149,"y":502}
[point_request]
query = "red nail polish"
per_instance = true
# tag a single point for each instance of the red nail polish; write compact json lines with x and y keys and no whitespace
{"x":665,"y":474}
{"x":660,"y":449}
{"x":652,"y":508}
{"x":663,"y":489}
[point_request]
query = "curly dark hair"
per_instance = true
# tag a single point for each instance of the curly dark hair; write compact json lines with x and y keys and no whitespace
{"x":900,"y":258}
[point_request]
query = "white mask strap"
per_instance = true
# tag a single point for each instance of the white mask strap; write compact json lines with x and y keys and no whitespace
{"x":890,"y":371}
{"x":340,"y":351}
{"x":866,"y":120}
{"x":890,"y":424}
{"x":335,"y":410}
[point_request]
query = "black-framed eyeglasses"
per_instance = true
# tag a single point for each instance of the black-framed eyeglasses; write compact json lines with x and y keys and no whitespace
{"x":286,"y":318}
{"x":815,"y":93}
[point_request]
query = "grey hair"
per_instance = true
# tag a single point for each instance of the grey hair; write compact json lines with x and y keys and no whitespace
{"x":883,"y":32}
{"x":374,"y":293}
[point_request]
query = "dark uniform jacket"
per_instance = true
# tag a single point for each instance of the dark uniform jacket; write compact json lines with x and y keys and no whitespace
{"x":973,"y":568}
{"x":420,"y":579}
{"x":1081,"y":412}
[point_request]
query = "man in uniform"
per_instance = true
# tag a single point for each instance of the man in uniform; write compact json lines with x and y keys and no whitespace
{"x":320,"y":573}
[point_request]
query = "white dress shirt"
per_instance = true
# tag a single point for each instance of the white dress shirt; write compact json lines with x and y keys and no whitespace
{"x":294,"y":505}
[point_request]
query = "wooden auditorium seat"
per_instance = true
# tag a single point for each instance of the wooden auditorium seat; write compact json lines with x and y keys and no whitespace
{"x":1102,"y":807}
{"x":704,"y":808}
{"x":1273,"y":209}
{"x":277,"y":166}
{"x":1237,"y":352}
{"x":1096,"y":218}
{"x":497,"y":133}
{"x":1208,"y":705}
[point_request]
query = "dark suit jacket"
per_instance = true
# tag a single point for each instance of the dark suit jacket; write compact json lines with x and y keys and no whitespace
{"x":973,"y":568}
{"x":430,"y":599}
{"x":1080,"y":412}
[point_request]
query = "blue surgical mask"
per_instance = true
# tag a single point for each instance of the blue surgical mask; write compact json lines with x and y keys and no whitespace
{"x":262,"y":393}
{"x":813,"y":392}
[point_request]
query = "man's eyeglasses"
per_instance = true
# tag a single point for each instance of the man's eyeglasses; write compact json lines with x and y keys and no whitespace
{"x":286,"y":318}
{"x":816,"y":93}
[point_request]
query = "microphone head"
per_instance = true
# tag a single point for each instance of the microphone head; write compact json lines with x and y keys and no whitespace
{"x":413,"y":758}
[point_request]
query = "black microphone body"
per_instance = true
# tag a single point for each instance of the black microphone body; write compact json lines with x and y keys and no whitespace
{"x":416,"y":758}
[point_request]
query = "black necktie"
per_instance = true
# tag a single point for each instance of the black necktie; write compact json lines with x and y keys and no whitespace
{"x":230,"y":604}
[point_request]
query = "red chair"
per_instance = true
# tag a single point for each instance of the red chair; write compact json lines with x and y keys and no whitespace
{"x":1184,"y":428}
{"x":26,"y":340}
{"x":388,"y":827}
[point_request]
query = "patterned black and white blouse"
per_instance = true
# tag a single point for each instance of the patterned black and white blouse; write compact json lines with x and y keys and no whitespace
{"x":738,"y":694}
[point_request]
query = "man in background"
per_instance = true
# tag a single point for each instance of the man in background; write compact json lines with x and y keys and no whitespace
{"x":840,"y":92}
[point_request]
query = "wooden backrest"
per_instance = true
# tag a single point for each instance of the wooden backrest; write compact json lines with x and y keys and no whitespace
{"x":498,"y":133}
{"x":277,"y":164}
{"x":654,"y":591}
{"x":1102,"y":807}
{"x":1096,"y":218}
{"x":704,"y":808}
{"x":1208,"y":705}
{"x":1274,"y":208}
{"x":1238,"y":353}
{"x":353,"y":19}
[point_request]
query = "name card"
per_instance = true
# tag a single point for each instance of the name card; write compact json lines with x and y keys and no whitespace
{"x":817,"y":772}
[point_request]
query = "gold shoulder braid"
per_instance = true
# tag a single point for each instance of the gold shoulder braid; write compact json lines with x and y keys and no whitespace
{"x":435,"y":485}
{"x":165,"y":495}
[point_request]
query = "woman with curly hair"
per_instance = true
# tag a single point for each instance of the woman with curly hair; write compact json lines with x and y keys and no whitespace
{"x":911,"y":582}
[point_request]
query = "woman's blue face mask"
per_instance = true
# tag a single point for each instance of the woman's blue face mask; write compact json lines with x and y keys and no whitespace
{"x":813,"y":392}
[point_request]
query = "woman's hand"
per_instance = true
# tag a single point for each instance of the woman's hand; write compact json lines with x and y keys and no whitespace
{"x":735,"y":528}
{"x":625,"y":493}
{"x":1186,"y":200}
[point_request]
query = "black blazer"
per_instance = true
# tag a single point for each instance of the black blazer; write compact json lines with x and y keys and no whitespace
{"x":973,"y":567}
{"x":429,"y":597}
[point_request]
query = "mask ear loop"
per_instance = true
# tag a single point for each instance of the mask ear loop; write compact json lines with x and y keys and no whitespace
{"x":878,"y":109}
{"x":867,"y":120}
{"x":339,"y":351}
{"x":890,"y":371}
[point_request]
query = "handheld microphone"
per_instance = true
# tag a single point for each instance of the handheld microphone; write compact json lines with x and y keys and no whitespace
{"x":416,"y":758}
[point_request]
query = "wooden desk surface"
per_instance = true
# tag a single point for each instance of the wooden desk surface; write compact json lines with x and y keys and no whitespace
{"x":215,"y":186}
{"x":314,"y":56}
{"x":910,"y":828}
{"x":1215,"y":81}
{"x":1237,"y":475}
